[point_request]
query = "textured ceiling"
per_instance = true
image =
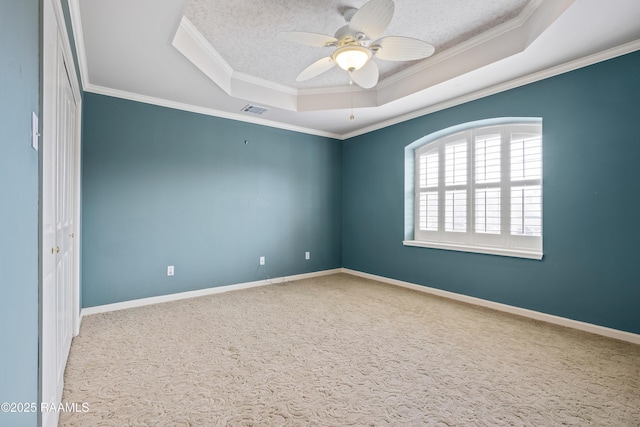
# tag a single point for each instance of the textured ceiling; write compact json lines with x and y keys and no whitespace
{"x":244,"y":32}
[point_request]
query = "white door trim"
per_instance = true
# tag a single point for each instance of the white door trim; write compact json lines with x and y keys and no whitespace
{"x":56,"y":48}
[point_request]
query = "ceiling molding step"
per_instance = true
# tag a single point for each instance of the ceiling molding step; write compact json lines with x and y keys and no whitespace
{"x":330,"y":90}
{"x":115,"y":93}
{"x":541,"y":12}
{"x":462,"y":48}
{"x":247,"y":78}
{"x":244,"y":86}
{"x":192,"y":44}
{"x":337,"y":100}
{"x":197,"y":49}
{"x":203,"y":43}
{"x":503,"y":41}
{"x":539,"y":18}
{"x":512,"y":84}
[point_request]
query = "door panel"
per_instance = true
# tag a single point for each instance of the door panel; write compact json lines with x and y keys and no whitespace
{"x":59,"y":207}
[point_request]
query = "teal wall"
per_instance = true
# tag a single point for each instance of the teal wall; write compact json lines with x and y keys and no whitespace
{"x":591,"y":201}
{"x":19,"y":96}
{"x":166,"y":187}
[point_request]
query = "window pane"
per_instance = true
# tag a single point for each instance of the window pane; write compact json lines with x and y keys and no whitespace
{"x":526,"y":156}
{"x":455,"y":211}
{"x":488,"y":211}
{"x":526,"y":211}
{"x":429,"y":169}
{"x":487,"y":160}
{"x":456,"y":163}
{"x":428,"y":211}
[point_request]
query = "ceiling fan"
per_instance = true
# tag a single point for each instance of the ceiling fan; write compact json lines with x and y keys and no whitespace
{"x":357,"y":43}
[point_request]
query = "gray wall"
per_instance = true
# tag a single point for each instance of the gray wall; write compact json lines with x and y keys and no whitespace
{"x":19,"y":96}
{"x":591,"y":151}
{"x":166,"y":187}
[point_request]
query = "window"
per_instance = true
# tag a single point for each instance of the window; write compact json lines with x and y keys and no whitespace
{"x":479,"y":189}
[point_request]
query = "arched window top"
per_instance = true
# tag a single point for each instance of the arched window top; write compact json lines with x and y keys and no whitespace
{"x":497,"y":121}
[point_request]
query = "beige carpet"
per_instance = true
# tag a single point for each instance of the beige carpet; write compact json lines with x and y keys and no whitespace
{"x":340,"y":350}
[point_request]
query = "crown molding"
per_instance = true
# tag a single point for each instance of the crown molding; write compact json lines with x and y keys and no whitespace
{"x":511,"y":84}
{"x":101,"y":90}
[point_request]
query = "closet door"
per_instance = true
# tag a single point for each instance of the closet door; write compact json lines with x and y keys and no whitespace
{"x":59,"y":201}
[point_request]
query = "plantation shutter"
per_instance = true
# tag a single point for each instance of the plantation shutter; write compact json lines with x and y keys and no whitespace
{"x":526,"y":190}
{"x":480,"y":190}
{"x":428,"y":177}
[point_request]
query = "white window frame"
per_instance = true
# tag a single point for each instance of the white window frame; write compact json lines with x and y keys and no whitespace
{"x":502,"y":243}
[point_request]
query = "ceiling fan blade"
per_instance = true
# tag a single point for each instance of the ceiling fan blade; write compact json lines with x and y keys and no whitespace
{"x":372,"y":18}
{"x":396,"y":48}
{"x":309,"y":39}
{"x":320,"y":66}
{"x":367,"y":76}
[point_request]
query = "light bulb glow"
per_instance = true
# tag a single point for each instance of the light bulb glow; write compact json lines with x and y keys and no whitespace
{"x":351,"y":58}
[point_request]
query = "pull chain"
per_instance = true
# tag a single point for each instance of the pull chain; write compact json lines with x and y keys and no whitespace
{"x":352,"y":117}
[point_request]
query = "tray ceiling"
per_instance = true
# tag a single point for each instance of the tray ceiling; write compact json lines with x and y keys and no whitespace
{"x":215,"y":57}
{"x":245,"y":34}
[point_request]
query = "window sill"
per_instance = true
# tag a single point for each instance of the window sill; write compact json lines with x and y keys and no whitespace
{"x":517,"y":253}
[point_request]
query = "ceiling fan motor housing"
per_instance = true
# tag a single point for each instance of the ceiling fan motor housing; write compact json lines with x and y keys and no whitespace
{"x":346,"y":36}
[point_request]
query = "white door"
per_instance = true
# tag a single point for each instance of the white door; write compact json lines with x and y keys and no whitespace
{"x":64,"y":219}
{"x":59,"y":207}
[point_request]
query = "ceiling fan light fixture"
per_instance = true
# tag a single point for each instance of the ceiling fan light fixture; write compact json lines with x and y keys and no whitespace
{"x":351,"y":58}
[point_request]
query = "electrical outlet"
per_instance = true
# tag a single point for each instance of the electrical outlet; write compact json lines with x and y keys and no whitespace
{"x":307,"y":255}
{"x":170,"y":270}
{"x":262,"y":260}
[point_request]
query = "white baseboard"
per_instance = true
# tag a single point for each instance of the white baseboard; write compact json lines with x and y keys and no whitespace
{"x":549,"y":318}
{"x":199,"y":293}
